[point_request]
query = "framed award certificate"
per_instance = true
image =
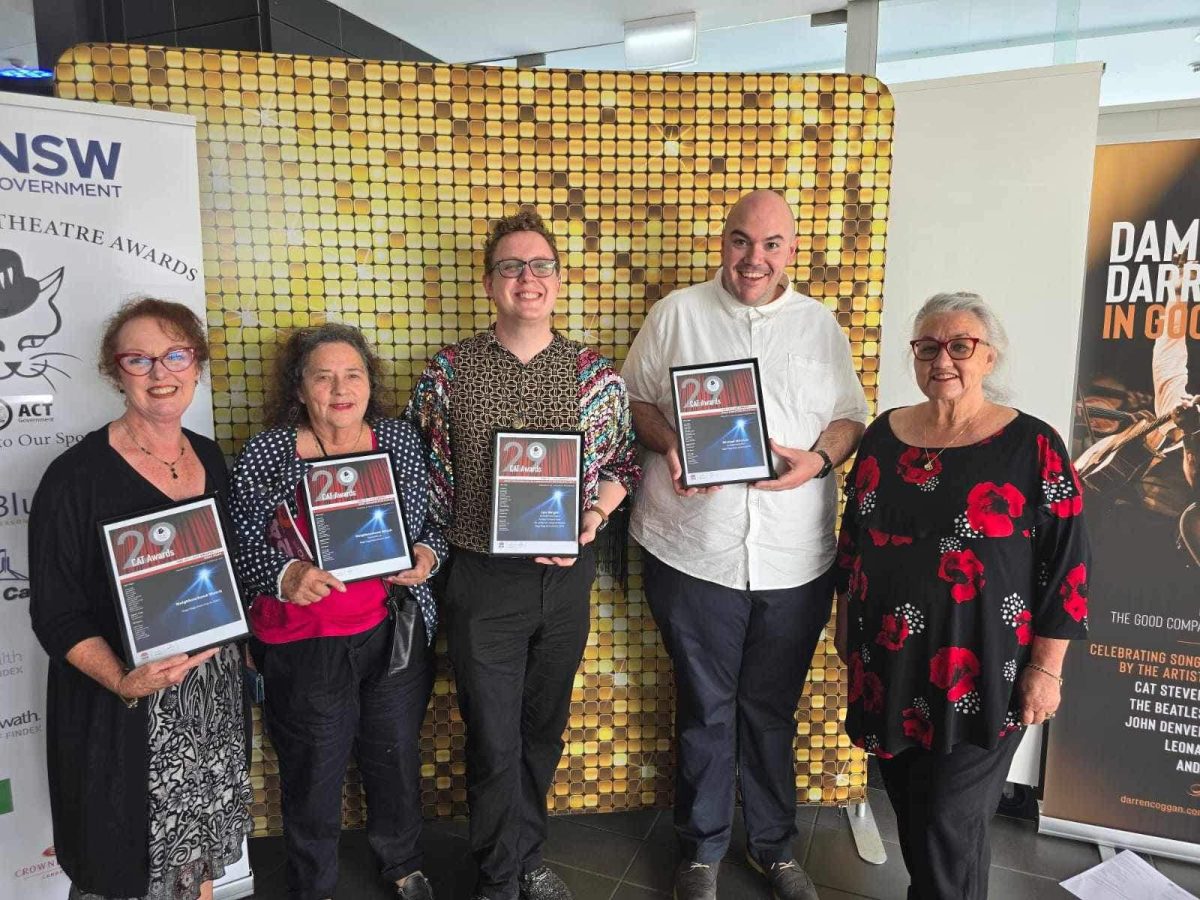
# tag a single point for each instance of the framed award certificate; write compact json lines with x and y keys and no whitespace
{"x":720,"y":422}
{"x":173,"y":581}
{"x":536,"y":487}
{"x":354,"y":516}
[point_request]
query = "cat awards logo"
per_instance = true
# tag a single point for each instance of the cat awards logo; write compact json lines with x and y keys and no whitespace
{"x":29,"y":318}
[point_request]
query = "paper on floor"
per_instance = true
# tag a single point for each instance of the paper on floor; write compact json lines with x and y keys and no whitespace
{"x":1125,"y":877}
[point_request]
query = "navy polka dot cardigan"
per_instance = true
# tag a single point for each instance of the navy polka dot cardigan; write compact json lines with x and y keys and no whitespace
{"x":268,"y":471}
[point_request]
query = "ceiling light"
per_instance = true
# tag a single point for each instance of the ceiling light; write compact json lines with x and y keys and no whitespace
{"x":661,"y":42}
{"x":25,"y":72}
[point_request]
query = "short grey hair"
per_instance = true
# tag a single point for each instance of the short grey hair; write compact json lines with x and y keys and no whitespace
{"x":993,"y":332}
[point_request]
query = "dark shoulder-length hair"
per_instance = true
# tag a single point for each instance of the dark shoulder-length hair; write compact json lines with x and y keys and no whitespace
{"x":283,"y":404}
{"x":177,"y":320}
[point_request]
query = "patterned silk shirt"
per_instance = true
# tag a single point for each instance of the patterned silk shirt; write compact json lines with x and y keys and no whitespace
{"x":471,"y":389}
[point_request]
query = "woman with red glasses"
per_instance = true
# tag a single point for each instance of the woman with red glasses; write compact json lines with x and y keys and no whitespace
{"x":963,"y":576}
{"x":149,"y":791}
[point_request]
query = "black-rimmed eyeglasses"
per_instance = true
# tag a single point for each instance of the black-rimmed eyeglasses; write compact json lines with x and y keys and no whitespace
{"x":929,"y":349}
{"x":512,"y":268}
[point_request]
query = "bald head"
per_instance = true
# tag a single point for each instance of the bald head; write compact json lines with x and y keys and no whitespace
{"x":757,"y":246}
{"x":761,"y":206}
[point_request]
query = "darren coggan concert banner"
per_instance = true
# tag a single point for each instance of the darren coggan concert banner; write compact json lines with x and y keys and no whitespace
{"x":1124,"y":749}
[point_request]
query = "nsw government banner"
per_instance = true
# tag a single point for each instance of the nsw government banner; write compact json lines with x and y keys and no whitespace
{"x":98,"y":204}
{"x":1123,"y":758}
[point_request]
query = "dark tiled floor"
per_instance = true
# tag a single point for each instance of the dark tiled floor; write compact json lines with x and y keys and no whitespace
{"x":630,"y":856}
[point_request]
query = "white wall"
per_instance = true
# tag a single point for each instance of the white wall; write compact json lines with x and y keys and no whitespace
{"x":1171,"y":121}
{"x":992,"y":183}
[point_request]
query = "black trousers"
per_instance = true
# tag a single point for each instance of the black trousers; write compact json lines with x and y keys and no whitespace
{"x":515,"y":631}
{"x":740,"y":661}
{"x":944,"y":805}
{"x":324,"y":698}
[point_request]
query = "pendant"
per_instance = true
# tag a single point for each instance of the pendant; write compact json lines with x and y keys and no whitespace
{"x":929,"y":465}
{"x":518,"y":422}
{"x":174,"y":474}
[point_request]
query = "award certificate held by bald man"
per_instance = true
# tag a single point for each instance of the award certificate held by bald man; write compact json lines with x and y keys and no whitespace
{"x":720,"y":422}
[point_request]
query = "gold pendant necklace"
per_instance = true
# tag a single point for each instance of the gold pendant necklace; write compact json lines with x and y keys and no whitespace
{"x":930,"y":459}
{"x":170,"y":465}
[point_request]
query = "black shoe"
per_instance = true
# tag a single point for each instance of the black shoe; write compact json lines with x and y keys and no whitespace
{"x":544,"y":884}
{"x":696,"y":881}
{"x":415,"y":887}
{"x":787,"y":880}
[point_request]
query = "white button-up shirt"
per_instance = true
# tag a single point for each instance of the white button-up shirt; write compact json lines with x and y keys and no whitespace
{"x":739,"y":537}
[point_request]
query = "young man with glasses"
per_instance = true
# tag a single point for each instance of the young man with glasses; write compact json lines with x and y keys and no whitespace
{"x":516,"y":628}
{"x":739,"y":577}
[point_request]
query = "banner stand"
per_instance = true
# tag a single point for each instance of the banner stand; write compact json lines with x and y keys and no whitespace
{"x":865,"y":832}
{"x":236,"y":884}
{"x":1113,"y":837}
{"x":101,"y":203}
{"x":1122,"y":761}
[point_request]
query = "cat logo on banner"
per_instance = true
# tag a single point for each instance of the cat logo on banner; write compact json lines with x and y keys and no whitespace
{"x":29,"y":318}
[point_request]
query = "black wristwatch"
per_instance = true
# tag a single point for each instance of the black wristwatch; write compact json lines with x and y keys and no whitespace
{"x":825,"y":469}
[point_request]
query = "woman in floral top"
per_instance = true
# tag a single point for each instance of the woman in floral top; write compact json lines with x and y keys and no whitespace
{"x":964,"y":565}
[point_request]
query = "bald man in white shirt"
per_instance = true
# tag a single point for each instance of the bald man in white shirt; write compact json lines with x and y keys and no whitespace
{"x":738,"y":576}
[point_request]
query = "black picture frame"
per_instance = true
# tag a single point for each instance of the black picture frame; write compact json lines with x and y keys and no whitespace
{"x":714,"y":476}
{"x":146,"y":586}
{"x":320,"y":524}
{"x":501,"y":541}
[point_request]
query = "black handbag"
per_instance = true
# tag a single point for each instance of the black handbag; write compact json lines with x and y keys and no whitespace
{"x":403,"y":610}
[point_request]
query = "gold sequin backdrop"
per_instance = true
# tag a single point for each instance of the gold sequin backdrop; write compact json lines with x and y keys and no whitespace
{"x":362,"y":191}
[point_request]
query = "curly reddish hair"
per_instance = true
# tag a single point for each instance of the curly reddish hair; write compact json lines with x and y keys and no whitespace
{"x":527,"y":219}
{"x":177,"y":320}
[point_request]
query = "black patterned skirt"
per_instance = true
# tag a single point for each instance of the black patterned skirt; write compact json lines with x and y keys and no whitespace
{"x":199,"y":799}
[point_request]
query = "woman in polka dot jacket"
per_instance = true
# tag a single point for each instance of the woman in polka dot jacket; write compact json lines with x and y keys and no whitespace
{"x":324,"y":647}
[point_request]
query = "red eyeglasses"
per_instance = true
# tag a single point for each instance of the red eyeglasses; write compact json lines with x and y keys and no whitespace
{"x":929,"y":349}
{"x":177,"y":359}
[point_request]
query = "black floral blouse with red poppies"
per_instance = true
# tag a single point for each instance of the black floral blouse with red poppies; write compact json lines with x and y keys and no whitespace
{"x":951,"y":571}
